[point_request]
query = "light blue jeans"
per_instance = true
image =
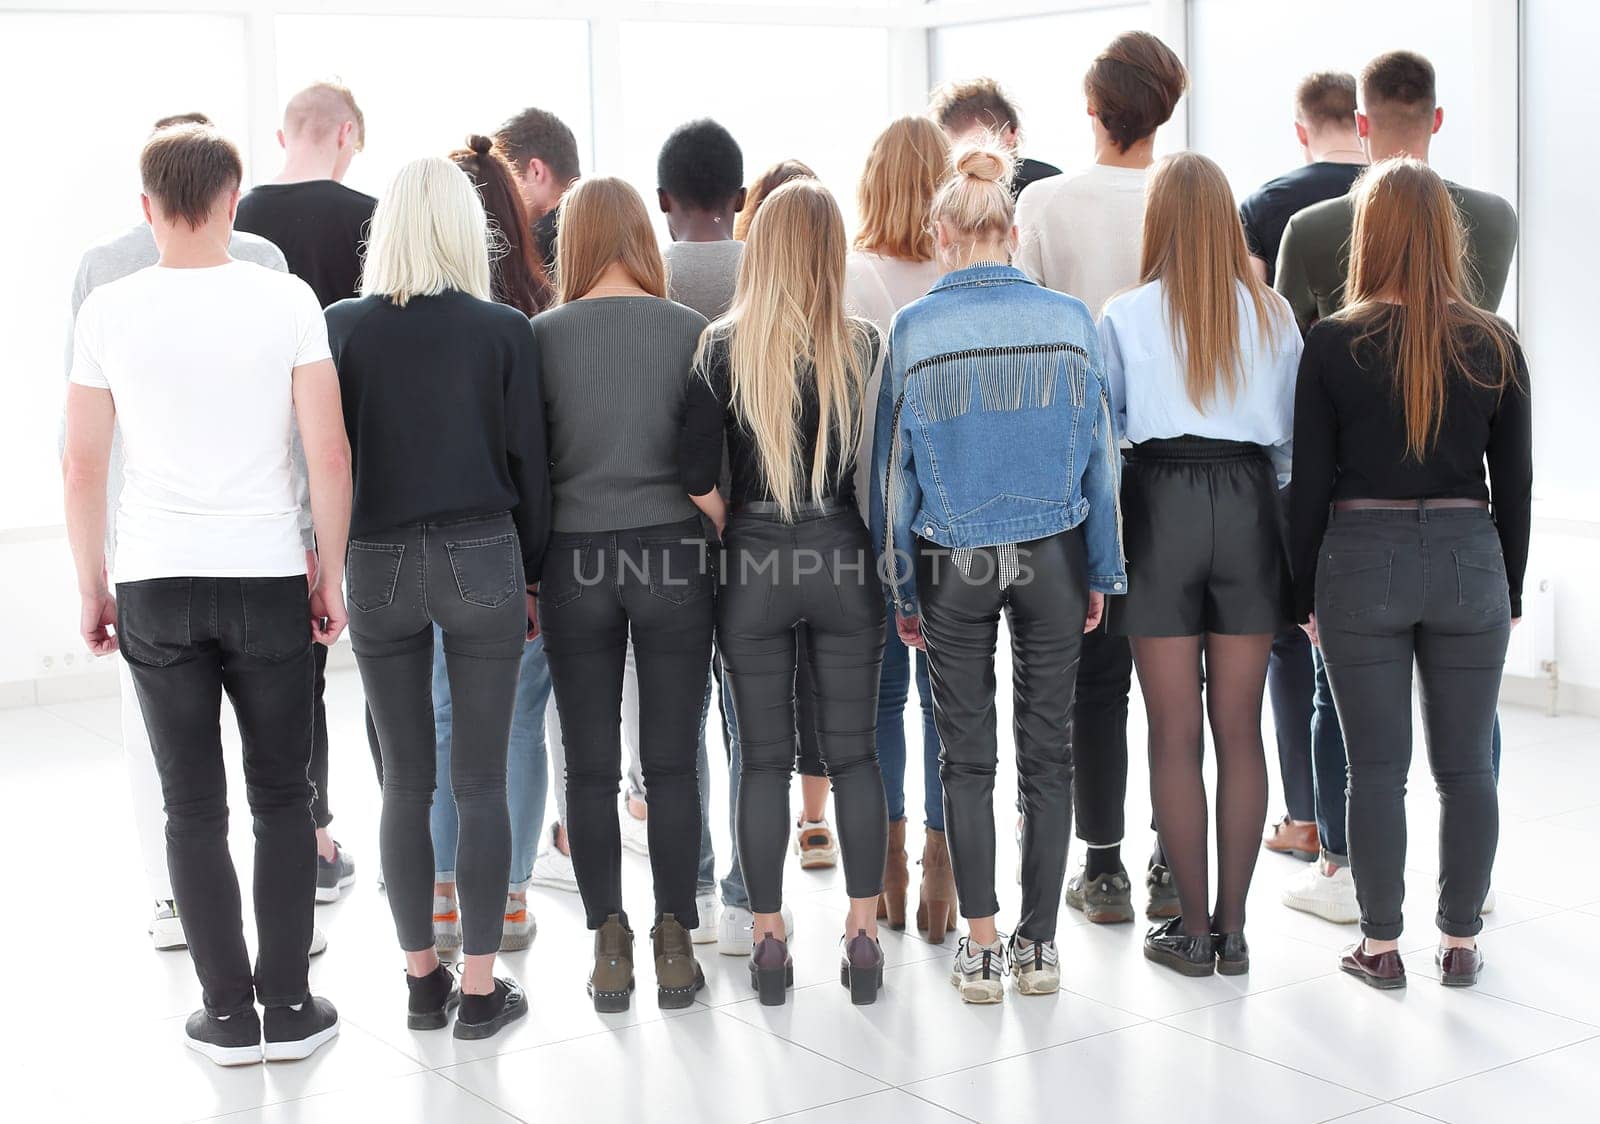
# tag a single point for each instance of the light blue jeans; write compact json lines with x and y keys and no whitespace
{"x":527,"y":776}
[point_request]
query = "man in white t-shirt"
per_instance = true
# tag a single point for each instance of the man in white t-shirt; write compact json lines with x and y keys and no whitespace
{"x":207,"y":364}
{"x":1081,"y":234}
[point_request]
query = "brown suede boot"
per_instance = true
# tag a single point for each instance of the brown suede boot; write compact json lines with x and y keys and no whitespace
{"x":936,"y":912}
{"x":678,"y":975}
{"x":896,"y":879}
{"x":611,"y":982}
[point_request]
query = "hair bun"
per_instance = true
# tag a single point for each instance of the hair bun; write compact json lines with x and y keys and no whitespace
{"x":480,"y":144}
{"x":981,"y":163}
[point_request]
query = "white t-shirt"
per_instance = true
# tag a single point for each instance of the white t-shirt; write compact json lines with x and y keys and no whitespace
{"x":1080,"y":233}
{"x":199,"y":363}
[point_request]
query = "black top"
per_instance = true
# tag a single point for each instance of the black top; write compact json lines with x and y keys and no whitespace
{"x":445,"y":414}
{"x":545,"y":229}
{"x":709,"y":419}
{"x":1030,"y":171}
{"x":1268,"y":210}
{"x":1350,"y":443}
{"x":321,"y":227}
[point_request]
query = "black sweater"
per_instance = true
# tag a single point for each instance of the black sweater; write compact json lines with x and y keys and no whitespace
{"x":445,"y":414}
{"x":1350,"y":443}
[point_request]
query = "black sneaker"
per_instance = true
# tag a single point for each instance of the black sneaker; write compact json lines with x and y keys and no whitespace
{"x":432,"y":998}
{"x":1163,"y":901}
{"x":1106,"y":900}
{"x":1233,"y":953}
{"x":235,"y":1040}
{"x":1168,"y":945}
{"x":292,"y":1033}
{"x":482,"y":1016}
{"x":333,"y":877}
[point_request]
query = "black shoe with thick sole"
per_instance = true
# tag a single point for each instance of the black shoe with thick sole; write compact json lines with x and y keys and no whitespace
{"x":1168,"y":945}
{"x":235,"y":1040}
{"x":771,"y":971}
{"x":292,"y":1033}
{"x":432,"y":998}
{"x":482,"y":1016}
{"x":1233,"y":953}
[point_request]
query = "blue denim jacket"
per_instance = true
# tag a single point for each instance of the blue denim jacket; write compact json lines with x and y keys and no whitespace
{"x":993,"y":427}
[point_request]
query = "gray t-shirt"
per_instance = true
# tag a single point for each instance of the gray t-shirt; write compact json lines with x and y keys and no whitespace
{"x":702,"y":274}
{"x":126,"y":254}
{"x":615,"y":373}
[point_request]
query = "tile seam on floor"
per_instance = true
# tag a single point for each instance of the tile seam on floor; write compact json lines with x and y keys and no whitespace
{"x":1273,"y":1061}
{"x":808,"y":1049}
{"x":904,"y":1086}
{"x":500,"y":1108}
{"x":1398,"y":1101}
{"x":50,"y":710}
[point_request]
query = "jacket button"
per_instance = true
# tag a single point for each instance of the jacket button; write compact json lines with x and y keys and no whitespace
{"x":1116,"y":585}
{"x":928,"y":530}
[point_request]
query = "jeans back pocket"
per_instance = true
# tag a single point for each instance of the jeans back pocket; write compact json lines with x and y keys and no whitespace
{"x":1481,"y":583}
{"x":1354,"y":582}
{"x":676,"y":567}
{"x":153,"y":620}
{"x":485,"y":569}
{"x":371,"y":571}
{"x":277,"y":618}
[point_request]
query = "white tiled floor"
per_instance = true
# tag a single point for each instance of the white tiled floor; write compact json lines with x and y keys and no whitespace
{"x":94,"y":1035}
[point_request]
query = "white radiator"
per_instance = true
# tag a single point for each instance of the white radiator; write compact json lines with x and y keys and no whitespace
{"x":1532,"y":654}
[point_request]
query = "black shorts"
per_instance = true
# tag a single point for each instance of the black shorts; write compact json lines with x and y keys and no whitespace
{"x":1204,"y":540}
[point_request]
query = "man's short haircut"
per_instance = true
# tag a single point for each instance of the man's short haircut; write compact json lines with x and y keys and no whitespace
{"x":538,"y":134}
{"x":1325,"y":98}
{"x":701,"y":165}
{"x":1133,"y":86}
{"x":186,"y":167}
{"x":180,"y":119}
{"x":1397,"y":89}
{"x":317,"y":111}
{"x":960,"y":107}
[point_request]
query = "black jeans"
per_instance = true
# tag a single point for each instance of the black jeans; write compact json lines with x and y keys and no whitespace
{"x":1291,"y":682}
{"x":814,"y":580}
{"x":1424,"y":587}
{"x":1045,"y":607}
{"x":319,"y":739}
{"x":598,"y":588}
{"x":1099,"y":736}
{"x":187,"y":641}
{"x":464,"y":575}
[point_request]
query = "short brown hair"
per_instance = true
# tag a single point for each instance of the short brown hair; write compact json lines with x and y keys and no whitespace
{"x":958,"y":106}
{"x":1397,"y":88}
{"x":185,"y":168}
{"x":180,"y":119}
{"x":538,"y":134}
{"x":1327,"y":97}
{"x":1133,"y":86}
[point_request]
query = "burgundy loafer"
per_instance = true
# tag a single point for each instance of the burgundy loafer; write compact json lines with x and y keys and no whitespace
{"x":1384,"y":970}
{"x":1458,"y":967}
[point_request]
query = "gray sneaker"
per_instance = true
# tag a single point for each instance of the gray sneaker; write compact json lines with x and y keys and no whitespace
{"x":1163,"y":894}
{"x":979,"y":971}
{"x":1107,"y":900}
{"x":333,"y":877}
{"x":1036,"y":966}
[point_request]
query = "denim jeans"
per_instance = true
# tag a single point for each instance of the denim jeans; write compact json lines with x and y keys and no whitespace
{"x":527,"y":775}
{"x":894,"y":690}
{"x":734,"y":893}
{"x":188,"y":641}
{"x":1290,"y":683}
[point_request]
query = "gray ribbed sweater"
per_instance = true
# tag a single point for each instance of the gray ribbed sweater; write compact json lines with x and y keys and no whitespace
{"x":615,"y":372}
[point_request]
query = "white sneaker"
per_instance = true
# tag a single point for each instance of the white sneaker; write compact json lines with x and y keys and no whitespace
{"x":736,"y":927}
{"x":814,"y":843}
{"x":979,"y":971}
{"x":705,"y":932}
{"x":1331,"y":897}
{"x":319,"y":942}
{"x":446,"y":926}
{"x":519,"y":928}
{"x":1036,"y":966}
{"x":1488,"y":903}
{"x":635,"y":832}
{"x":165,"y":928}
{"x":553,"y":870}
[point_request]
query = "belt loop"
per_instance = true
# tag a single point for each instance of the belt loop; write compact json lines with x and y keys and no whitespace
{"x":1422,"y":511}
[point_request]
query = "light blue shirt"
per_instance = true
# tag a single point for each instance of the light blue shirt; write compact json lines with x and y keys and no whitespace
{"x":1145,"y":376}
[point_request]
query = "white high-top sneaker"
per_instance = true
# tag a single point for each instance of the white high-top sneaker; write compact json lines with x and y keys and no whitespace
{"x":1328,"y":893}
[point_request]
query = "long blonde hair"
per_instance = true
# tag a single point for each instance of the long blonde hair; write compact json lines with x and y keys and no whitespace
{"x":764,"y":185}
{"x":603,"y":221}
{"x":1407,"y":278}
{"x":429,"y":234}
{"x":908,"y":162}
{"x":788,"y":315}
{"x":1194,"y":245}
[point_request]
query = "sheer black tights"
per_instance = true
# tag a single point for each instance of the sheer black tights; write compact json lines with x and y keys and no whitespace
{"x":1232,"y":687}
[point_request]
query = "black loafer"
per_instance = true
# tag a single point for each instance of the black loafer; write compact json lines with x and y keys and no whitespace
{"x":1458,"y":967}
{"x":1168,"y":945}
{"x":1233,"y":953}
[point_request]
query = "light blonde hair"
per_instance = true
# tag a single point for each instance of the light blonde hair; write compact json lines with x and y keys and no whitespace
{"x":319,"y":109}
{"x":908,"y":162}
{"x":1407,"y":280}
{"x":788,"y":315}
{"x":975,"y":202}
{"x":429,"y":234}
{"x":603,"y":221}
{"x":1194,"y":245}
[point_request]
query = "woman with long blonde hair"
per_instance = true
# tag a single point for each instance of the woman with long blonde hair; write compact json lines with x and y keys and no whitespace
{"x":626,"y":560}
{"x":1201,"y":359}
{"x":781,"y":380}
{"x":892,"y":264}
{"x":1403,"y":397}
{"x":451,"y":509}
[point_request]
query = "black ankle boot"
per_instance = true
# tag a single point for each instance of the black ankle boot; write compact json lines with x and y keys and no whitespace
{"x":432,"y":999}
{"x":1168,"y":945}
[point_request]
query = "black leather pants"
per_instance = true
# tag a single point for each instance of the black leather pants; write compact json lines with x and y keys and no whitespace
{"x":1045,"y":608}
{"x":819,"y":572}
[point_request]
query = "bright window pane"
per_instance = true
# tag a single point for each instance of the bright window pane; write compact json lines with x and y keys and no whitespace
{"x":1040,"y":61}
{"x":425,"y":83}
{"x":64,"y":195}
{"x":763,"y":83}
